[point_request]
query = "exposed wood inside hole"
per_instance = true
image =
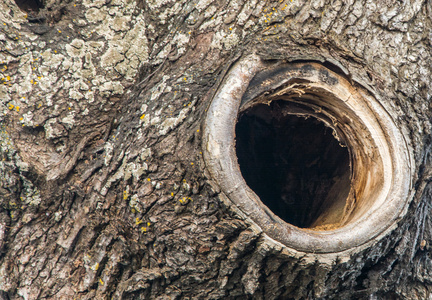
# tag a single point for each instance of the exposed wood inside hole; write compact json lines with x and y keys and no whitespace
{"x":294,"y":164}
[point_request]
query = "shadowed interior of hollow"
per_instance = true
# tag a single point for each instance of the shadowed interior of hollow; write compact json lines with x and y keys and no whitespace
{"x":30,"y":6}
{"x":294,"y":164}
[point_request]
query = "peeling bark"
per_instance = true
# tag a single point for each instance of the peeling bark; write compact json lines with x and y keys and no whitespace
{"x":104,"y":192}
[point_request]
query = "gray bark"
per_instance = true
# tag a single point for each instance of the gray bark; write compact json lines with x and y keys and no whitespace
{"x":103,"y":189}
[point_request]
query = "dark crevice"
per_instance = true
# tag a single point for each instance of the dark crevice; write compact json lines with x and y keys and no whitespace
{"x":30,"y":6}
{"x":294,"y":164}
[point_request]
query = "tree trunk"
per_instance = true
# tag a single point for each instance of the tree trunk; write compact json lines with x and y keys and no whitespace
{"x":104,"y":191}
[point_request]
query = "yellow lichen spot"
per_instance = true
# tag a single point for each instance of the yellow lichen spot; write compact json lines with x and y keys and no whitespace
{"x":55,"y":51}
{"x":21,"y":119}
{"x":197,"y":130}
{"x":59,"y":31}
{"x":184,"y":79}
{"x":11,"y":106}
{"x":125,"y":195}
{"x":192,"y":163}
{"x":148,"y":224}
{"x":69,"y":108}
{"x":17,"y":108}
{"x":230,"y":28}
{"x":172,"y":194}
{"x":142,"y":117}
{"x":143,"y":229}
{"x":8,"y":78}
{"x":190,"y":32}
{"x":101,"y":282}
{"x":133,"y":210}
{"x":138,"y":221}
{"x":148,"y":179}
{"x":96,"y":266}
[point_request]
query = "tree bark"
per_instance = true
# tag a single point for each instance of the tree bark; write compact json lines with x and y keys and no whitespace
{"x":104,"y":193}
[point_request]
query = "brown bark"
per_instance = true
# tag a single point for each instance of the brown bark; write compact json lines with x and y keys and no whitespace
{"x":104,"y":192}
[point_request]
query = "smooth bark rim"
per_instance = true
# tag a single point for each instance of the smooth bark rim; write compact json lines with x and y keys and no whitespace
{"x":372,"y":223}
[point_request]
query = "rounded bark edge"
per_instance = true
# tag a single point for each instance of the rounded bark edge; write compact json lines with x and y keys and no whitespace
{"x":386,"y":186}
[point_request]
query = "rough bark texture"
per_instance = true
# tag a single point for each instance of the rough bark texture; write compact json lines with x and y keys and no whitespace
{"x":103,"y":190}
